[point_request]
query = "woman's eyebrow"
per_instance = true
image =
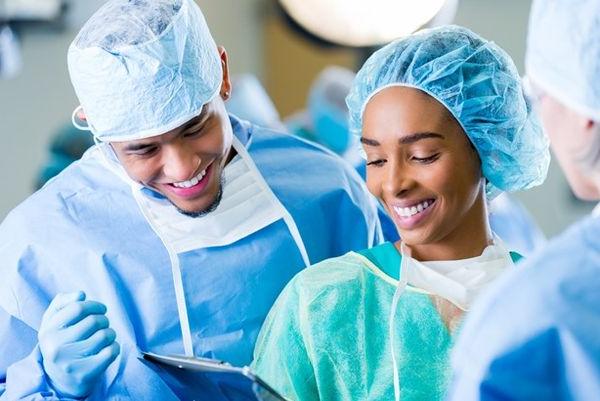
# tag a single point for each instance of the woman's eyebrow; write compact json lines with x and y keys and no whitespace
{"x":412,"y":138}
{"x":370,"y":142}
{"x":405,"y":140}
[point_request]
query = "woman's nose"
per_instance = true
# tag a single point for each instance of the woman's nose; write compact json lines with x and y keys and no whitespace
{"x":397,"y":180}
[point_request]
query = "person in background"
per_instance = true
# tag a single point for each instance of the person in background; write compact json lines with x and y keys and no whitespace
{"x":176,"y":232}
{"x":251,"y":102}
{"x":445,"y":126}
{"x":67,"y":145}
{"x":325,"y":119}
{"x":535,"y":335}
{"x":514,"y":224}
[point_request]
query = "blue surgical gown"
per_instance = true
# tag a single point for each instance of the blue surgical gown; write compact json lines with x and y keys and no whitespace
{"x":536,"y":334}
{"x":514,"y":225}
{"x":85,"y":231}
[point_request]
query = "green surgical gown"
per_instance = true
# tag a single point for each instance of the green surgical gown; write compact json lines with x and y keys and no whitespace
{"x":327,"y":336}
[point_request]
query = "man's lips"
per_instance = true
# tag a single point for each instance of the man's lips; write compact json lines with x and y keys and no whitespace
{"x":191,"y":188}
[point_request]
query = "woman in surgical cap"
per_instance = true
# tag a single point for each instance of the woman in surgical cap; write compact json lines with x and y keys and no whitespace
{"x":445,"y":127}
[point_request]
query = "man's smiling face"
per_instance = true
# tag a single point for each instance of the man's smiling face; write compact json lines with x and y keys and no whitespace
{"x":185,"y":164}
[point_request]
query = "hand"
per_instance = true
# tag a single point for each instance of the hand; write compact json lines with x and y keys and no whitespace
{"x":76,"y":343}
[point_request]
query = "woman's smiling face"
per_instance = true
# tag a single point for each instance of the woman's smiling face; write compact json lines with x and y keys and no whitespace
{"x":422,"y":167}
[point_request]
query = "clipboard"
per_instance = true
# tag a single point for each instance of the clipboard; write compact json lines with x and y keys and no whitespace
{"x":203,"y":379}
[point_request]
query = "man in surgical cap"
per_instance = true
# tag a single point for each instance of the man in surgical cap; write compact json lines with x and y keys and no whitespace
{"x":173,"y":234}
{"x":536,"y":335}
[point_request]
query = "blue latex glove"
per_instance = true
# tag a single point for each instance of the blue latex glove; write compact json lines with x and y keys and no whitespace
{"x":76,"y":343}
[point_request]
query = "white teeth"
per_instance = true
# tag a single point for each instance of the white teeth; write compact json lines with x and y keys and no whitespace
{"x":192,"y":182}
{"x":411,"y":211}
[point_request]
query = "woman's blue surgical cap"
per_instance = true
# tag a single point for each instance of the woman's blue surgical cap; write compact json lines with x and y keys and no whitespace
{"x":480,"y":86}
{"x":141,"y":68}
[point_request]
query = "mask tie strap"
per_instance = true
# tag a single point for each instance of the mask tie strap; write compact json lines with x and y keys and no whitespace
{"x":78,"y":121}
{"x":402,"y":283}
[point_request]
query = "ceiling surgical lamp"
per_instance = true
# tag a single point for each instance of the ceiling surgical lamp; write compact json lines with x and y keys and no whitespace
{"x":361,"y":23}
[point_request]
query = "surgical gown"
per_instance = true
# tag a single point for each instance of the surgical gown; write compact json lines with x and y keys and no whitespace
{"x":514,"y":225}
{"x":85,"y":231}
{"x":327,"y":336}
{"x":536,"y":334}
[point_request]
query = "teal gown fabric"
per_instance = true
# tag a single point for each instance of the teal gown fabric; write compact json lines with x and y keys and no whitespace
{"x":327,"y":336}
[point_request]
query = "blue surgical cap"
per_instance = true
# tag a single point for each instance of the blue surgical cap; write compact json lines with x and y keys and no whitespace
{"x":480,"y":86}
{"x":563,"y":52}
{"x":141,"y":68}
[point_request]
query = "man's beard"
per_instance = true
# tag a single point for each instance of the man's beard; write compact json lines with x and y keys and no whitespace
{"x":210,"y":208}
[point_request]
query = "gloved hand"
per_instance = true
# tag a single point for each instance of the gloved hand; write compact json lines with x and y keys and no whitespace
{"x":76,"y":343}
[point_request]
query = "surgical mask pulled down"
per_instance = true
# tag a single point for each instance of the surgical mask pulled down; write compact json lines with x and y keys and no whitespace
{"x":458,"y":281}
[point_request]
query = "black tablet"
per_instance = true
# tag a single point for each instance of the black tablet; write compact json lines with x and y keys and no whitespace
{"x":201,"y":379}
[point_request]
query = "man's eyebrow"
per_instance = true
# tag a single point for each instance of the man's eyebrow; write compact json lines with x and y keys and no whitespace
{"x":134,"y":147}
{"x":196,"y":120}
{"x":405,"y":140}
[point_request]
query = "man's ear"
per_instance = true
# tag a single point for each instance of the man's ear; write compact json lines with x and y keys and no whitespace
{"x":226,"y":83}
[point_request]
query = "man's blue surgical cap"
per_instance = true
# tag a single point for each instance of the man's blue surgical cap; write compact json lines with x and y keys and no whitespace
{"x":141,"y":68}
{"x":563,"y":52}
{"x":480,"y":86}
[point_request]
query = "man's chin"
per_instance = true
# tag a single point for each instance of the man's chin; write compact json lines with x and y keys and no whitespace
{"x":204,"y":211}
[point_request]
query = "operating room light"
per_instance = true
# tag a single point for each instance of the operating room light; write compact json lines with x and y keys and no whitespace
{"x":30,"y":9}
{"x":361,"y":22}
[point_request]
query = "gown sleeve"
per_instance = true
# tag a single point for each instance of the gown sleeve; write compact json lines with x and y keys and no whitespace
{"x":281,"y":356}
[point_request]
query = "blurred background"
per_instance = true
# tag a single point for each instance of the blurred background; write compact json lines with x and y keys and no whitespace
{"x":284,"y":44}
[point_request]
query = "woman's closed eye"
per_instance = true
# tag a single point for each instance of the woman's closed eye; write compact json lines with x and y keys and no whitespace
{"x":426,"y":160}
{"x":376,"y":162}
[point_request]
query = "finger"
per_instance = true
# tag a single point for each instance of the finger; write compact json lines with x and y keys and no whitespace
{"x":59,"y":302}
{"x":96,"y":364}
{"x":92,"y":345}
{"x":63,"y":299}
{"x":84,"y":329}
{"x":73,"y":313}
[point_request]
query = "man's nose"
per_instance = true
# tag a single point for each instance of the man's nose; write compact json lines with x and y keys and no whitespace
{"x":180,"y":163}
